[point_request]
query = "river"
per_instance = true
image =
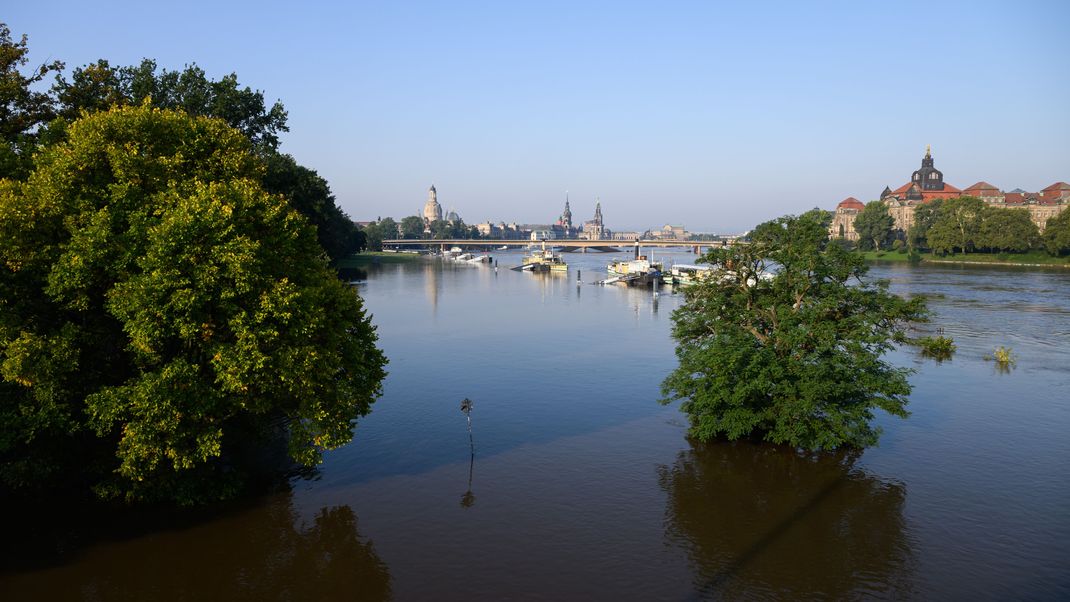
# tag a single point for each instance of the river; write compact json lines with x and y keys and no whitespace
{"x":583,"y":486}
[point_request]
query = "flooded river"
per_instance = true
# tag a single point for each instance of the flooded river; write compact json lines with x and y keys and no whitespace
{"x":583,"y":487}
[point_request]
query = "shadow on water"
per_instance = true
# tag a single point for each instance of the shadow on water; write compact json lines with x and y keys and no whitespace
{"x":252,"y":551}
{"x":809,"y":524}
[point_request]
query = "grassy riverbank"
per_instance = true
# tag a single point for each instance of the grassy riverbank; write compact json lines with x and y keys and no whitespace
{"x":370,"y":257}
{"x":1032,"y":258}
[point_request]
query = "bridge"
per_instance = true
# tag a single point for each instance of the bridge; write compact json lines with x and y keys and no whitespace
{"x":567,"y":244}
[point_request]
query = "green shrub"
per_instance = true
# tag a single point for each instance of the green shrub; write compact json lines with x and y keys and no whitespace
{"x":1003,"y":356}
{"x":938,"y":347}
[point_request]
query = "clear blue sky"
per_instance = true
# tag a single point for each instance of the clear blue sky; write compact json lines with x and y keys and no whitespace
{"x":717,"y":117}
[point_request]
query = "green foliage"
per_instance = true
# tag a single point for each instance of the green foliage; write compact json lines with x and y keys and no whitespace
{"x":957,"y":225}
{"x":1057,"y":234}
{"x":373,"y":237}
{"x":375,"y":233}
{"x":939,"y":347}
{"x":924,"y":217}
{"x":873,"y":225}
{"x":1003,"y":356}
{"x":458,"y":229}
{"x":412,"y":227}
{"x":899,"y":246}
{"x":966,"y":224}
{"x":160,"y":309}
{"x":793,"y":359}
{"x":22,"y":108}
{"x":1010,"y":230}
{"x":99,"y":86}
{"x":311,"y":196}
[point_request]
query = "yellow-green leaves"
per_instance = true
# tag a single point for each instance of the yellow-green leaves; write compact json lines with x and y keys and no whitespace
{"x":144,"y":260}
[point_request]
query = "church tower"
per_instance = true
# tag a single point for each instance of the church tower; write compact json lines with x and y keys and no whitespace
{"x":566,"y":217}
{"x":432,"y":210}
{"x":598,"y":213}
{"x":928,"y":177}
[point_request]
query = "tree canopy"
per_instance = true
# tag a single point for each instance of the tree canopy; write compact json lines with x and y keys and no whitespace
{"x":22,"y":108}
{"x":100,"y":86}
{"x":30,"y":123}
{"x":873,"y":225}
{"x":1010,"y":230}
{"x":160,"y":307}
{"x":1057,"y":234}
{"x":957,"y":226}
{"x":412,"y":227}
{"x":794,"y":358}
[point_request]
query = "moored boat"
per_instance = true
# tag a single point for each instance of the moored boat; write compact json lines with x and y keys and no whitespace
{"x":686,"y":274}
{"x":544,"y":260}
{"x":640,"y":270}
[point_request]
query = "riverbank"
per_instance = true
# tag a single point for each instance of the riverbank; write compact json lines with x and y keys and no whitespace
{"x":1038,"y":259}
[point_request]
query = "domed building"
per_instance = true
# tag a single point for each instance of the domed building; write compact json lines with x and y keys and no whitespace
{"x":432,"y":210}
{"x":843,"y":221}
{"x":927,"y":185}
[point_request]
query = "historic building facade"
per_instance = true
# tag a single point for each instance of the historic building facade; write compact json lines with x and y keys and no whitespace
{"x":843,"y":220}
{"x":927,"y":184}
{"x":595,"y":229}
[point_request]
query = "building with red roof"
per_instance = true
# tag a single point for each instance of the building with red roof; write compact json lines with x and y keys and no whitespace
{"x":927,"y":184}
{"x":843,"y":220}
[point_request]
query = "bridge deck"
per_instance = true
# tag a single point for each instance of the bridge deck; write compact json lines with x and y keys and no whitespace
{"x":563,"y":242}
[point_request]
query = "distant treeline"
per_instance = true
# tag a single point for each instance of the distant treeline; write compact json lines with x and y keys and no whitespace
{"x":962,"y":225}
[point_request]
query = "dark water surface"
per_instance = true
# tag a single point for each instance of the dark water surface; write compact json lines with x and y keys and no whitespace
{"x":584,"y":487}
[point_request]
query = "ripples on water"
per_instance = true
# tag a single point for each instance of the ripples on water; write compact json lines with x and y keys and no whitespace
{"x":583,"y":486}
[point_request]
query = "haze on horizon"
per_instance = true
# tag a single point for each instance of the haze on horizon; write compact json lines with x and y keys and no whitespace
{"x":714,"y":117}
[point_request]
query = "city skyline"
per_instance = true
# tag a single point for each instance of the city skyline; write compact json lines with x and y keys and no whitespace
{"x":718,"y":118}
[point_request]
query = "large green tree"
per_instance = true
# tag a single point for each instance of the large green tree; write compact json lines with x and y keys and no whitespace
{"x":924,"y":218}
{"x":1010,"y":230}
{"x":23,"y":108}
{"x":159,"y":309}
{"x":99,"y":86}
{"x":1056,"y":236}
{"x":957,"y":226}
{"x":794,"y":358}
{"x":311,"y":196}
{"x":873,"y":225}
{"x":412,"y":227}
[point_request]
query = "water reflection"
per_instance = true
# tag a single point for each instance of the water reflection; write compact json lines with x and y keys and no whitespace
{"x":469,"y":499}
{"x":758,"y":521}
{"x":261,"y":553}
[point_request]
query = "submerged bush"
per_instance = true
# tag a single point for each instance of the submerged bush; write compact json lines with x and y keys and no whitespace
{"x":938,"y":347}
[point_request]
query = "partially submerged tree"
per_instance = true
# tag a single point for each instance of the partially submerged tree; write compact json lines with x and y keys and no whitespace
{"x":794,"y":358}
{"x":311,"y":196}
{"x":159,"y":306}
{"x":100,"y":86}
